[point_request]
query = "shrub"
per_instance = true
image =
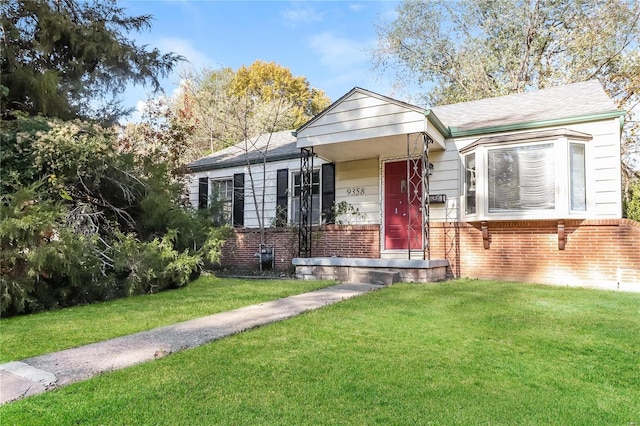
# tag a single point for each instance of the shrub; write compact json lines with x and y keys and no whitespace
{"x":633,"y":202}
{"x":82,"y":222}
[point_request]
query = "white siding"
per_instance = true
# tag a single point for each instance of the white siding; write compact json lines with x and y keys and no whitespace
{"x":359,"y":175}
{"x":604,"y":184}
{"x":267,"y":180}
{"x":359,"y":117}
{"x":362,"y":116}
{"x":445,"y":180}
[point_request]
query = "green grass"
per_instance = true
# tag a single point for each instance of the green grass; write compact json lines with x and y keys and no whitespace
{"x":30,"y":335}
{"x":461,"y":352}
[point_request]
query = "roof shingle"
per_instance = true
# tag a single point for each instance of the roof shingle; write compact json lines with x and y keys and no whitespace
{"x":571,"y":100}
{"x":281,"y":145}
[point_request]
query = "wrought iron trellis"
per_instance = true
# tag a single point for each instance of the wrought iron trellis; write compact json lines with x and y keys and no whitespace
{"x":306,"y":202}
{"x":418,"y":171}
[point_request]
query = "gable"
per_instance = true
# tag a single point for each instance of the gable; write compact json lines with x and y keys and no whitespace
{"x":363,"y":115}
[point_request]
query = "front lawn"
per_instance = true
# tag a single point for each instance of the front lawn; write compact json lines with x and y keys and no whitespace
{"x":460,"y":352}
{"x":30,"y":335}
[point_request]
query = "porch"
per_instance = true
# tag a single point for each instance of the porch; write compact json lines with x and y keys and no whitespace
{"x":373,"y":271}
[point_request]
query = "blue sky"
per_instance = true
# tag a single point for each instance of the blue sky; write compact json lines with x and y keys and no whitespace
{"x":328,"y":42}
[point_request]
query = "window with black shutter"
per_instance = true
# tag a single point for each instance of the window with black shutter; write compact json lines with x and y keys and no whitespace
{"x":238,"y":200}
{"x":328,"y":192}
{"x":282,"y":197}
{"x":203,"y":193}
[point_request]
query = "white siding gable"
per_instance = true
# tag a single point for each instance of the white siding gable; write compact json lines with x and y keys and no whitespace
{"x":361,"y":116}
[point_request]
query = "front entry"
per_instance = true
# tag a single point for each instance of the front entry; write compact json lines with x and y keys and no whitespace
{"x":402,"y":202}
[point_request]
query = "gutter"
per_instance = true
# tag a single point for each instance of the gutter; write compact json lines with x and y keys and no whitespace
{"x":455,"y":133}
{"x":241,"y":162}
{"x":433,"y":119}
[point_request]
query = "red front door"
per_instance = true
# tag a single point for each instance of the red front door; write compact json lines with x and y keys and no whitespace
{"x":402,"y":214}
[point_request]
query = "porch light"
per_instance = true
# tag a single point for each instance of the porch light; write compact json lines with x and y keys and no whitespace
{"x":430,"y":169}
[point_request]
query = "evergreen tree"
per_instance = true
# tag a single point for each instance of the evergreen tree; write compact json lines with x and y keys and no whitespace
{"x":71,"y":59}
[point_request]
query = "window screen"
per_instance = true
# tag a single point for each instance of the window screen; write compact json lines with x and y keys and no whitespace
{"x":522,"y":178}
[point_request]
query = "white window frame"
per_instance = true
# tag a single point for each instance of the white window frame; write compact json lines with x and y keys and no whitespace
{"x":294,"y":206}
{"x":227,"y":209}
{"x":469,"y":183}
{"x":562,"y":172}
{"x":584,"y":178}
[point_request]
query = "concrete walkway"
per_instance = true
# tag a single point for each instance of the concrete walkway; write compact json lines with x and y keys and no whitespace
{"x":35,"y":375}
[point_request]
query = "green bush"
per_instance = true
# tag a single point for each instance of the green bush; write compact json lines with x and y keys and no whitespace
{"x":632,"y":206}
{"x":84,"y":222}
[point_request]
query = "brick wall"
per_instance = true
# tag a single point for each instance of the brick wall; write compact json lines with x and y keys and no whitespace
{"x":597,"y":253}
{"x":327,"y":241}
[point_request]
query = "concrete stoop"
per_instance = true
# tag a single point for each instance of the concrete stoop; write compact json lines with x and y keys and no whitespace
{"x":373,"y":276}
{"x":373,"y":271}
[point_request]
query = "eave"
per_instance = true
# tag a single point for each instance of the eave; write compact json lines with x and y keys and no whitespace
{"x":457,"y":133}
{"x":243,"y":162}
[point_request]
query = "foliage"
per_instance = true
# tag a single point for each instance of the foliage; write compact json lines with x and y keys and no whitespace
{"x":25,"y":226}
{"x":460,"y":352}
{"x":632,"y":205}
{"x":345,"y":212}
{"x":159,"y":138}
{"x":83,"y":221}
{"x":270,"y":82}
{"x":202,"y":106}
{"x":471,"y":50}
{"x":465,"y":50}
{"x":223,"y":107}
{"x":71,"y":59}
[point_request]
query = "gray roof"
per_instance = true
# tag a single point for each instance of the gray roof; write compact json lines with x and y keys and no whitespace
{"x":555,"y":103}
{"x":281,"y":146}
{"x":572,"y":100}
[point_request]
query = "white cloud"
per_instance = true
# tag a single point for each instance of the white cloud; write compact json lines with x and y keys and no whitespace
{"x":141,"y":107}
{"x":356,"y":7}
{"x":340,"y":53}
{"x":197,"y":59}
{"x":170,"y":84}
{"x":301,"y":13}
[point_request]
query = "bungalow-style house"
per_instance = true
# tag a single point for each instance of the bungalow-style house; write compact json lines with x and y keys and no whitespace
{"x":522,"y":187}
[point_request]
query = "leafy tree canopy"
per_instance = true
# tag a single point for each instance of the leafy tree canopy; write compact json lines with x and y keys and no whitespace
{"x":71,"y":59}
{"x":270,"y":81}
{"x":223,"y":107}
{"x":471,"y":49}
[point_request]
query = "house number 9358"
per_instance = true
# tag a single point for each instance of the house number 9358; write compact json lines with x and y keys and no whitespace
{"x":355,"y":191}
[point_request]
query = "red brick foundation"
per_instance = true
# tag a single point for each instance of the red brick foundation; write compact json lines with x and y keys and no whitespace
{"x":596,"y":253}
{"x":327,"y":241}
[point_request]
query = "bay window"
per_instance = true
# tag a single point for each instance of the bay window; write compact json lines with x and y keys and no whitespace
{"x":470,"y":184}
{"x":527,"y":175}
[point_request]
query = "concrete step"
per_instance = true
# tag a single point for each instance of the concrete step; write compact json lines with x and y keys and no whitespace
{"x":373,"y":276}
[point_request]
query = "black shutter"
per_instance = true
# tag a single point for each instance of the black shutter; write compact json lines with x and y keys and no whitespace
{"x":203,"y":192}
{"x":328,"y":192}
{"x":282,"y":197}
{"x":238,"y":200}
